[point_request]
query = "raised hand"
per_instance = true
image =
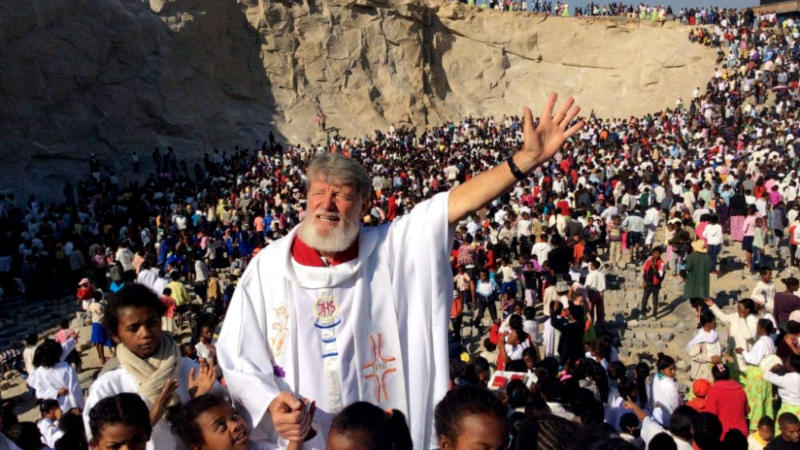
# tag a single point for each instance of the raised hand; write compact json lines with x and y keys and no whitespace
{"x":202,"y":382}
{"x":158,"y":408}
{"x":542,"y":142}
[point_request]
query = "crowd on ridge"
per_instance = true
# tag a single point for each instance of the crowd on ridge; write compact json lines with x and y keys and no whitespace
{"x":655,"y":13}
{"x":662,"y":193}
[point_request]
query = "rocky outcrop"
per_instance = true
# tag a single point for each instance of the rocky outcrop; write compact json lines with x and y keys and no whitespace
{"x":115,"y":76}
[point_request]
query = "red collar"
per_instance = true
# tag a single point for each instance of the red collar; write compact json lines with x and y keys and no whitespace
{"x":307,"y":256}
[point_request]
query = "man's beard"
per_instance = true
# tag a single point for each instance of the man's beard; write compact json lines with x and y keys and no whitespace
{"x":338,"y":239}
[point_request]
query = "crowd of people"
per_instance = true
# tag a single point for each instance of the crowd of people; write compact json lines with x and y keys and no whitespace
{"x":154,"y":264}
{"x":702,"y":15}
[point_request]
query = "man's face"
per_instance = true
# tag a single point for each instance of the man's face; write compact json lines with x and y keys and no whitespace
{"x":333,"y":217}
{"x":791,"y":432}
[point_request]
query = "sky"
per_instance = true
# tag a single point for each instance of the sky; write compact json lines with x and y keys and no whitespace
{"x":676,"y":4}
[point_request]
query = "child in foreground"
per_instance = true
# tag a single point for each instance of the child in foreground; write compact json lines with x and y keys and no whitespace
{"x":209,"y":422}
{"x":121,"y":421}
{"x":470,"y":417}
{"x":364,"y":426}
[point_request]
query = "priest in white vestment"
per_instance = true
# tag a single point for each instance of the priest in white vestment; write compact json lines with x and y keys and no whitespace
{"x":334,"y":313}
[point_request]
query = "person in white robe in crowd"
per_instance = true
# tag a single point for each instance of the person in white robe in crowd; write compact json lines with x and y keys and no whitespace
{"x":55,"y":379}
{"x":334,"y":313}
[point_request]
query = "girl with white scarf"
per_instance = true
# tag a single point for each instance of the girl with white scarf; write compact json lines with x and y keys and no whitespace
{"x":704,"y":348}
{"x":148,"y":363}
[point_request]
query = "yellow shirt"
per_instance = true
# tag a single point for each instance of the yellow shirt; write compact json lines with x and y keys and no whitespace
{"x":179,"y":292}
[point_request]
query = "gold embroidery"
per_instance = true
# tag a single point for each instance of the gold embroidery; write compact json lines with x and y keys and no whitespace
{"x":281,"y":329}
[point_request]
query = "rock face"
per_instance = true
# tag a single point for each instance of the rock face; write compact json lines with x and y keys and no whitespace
{"x":115,"y":76}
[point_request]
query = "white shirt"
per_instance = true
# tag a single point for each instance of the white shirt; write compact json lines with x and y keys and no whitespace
{"x":148,"y":278}
{"x":523,"y":227}
{"x":27,"y":357}
{"x":557,"y":409}
{"x":788,"y":386}
{"x":713,"y":234}
{"x":763,"y":347}
{"x":200,"y":271}
{"x":596,"y":280}
{"x":203,"y":351}
{"x":541,"y":249}
{"x":515,"y":351}
{"x":665,"y":398}
{"x":160,"y":284}
{"x":767,"y":290}
{"x":50,"y":432}
{"x":742,"y":332}
{"x":125,"y":257}
{"x":48,"y":380}
{"x":532,"y":328}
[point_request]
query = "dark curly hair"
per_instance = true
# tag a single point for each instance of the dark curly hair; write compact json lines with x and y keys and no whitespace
{"x":133,"y":295}
{"x":379,"y":430}
{"x":183,"y":419}
{"x":47,"y":354}
{"x":461,"y":402}
{"x":125,"y":408}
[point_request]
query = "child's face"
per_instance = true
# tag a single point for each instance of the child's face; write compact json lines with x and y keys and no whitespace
{"x":223,"y":429}
{"x":765,"y":432}
{"x":190,"y":352}
{"x":767,"y":277}
{"x":120,"y":436}
{"x":477,"y":431}
{"x":529,"y":362}
{"x":139,"y":329}
{"x":207,"y":334}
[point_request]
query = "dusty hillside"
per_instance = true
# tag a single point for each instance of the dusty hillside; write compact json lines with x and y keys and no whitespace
{"x":113,"y":76}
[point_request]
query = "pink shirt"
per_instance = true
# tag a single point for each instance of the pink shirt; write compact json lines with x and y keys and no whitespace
{"x":64,"y":334}
{"x":749,"y":226}
{"x":774,"y":197}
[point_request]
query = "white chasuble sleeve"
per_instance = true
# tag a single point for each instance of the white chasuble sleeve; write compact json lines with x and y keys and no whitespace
{"x":419,"y":247}
{"x":244,"y":353}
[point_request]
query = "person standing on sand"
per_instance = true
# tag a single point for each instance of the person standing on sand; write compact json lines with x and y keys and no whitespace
{"x":698,"y":270}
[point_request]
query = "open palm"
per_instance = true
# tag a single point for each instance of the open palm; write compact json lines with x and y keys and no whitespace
{"x":542,"y":142}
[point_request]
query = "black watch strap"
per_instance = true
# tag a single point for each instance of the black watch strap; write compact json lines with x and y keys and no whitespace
{"x":514,"y":169}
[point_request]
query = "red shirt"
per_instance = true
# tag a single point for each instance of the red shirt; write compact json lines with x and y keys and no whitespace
{"x":727,"y":400}
{"x":170,"y":305}
{"x":563,"y":207}
{"x":307,"y":256}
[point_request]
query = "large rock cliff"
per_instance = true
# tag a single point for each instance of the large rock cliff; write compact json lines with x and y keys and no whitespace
{"x":115,"y":76}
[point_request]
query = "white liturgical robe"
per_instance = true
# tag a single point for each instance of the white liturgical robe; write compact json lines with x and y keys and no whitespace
{"x":371,"y":329}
